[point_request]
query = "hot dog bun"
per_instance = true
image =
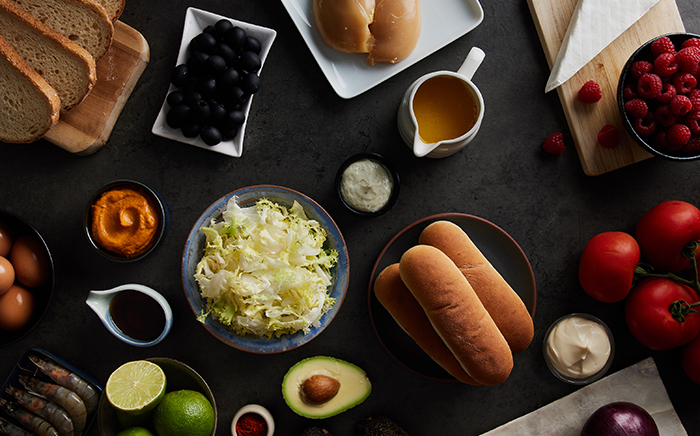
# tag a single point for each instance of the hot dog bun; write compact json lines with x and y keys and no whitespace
{"x":457,"y":314}
{"x":393,"y":294}
{"x":503,"y":304}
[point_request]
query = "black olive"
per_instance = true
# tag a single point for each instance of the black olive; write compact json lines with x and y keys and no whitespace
{"x":175,"y":98}
{"x":236,"y":95}
{"x":216,"y":112}
{"x":200,"y":111}
{"x":211,"y":135}
{"x":222,"y":26}
{"x":192,"y":98}
{"x":191,"y":130}
{"x":205,"y":42}
{"x":252,"y":44}
{"x":228,"y":132}
{"x":250,"y":83}
{"x":176,"y":116}
{"x":227,"y":79}
{"x":249,"y":61}
{"x":215,"y":65}
{"x":180,"y":75}
{"x":197,"y":61}
{"x":226,"y":52}
{"x":207,"y":87}
{"x":235,"y":38}
{"x":234,"y":118}
{"x":209,"y":29}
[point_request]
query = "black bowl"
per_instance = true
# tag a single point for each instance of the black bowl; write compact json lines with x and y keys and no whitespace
{"x":644,"y":53}
{"x":18,"y":226}
{"x":387,"y":165}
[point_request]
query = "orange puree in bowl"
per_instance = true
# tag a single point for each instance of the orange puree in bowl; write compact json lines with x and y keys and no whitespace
{"x":125,"y":221}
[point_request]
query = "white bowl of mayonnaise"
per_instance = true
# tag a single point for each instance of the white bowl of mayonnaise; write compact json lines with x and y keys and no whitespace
{"x":367,"y":184}
{"x":579,"y":348}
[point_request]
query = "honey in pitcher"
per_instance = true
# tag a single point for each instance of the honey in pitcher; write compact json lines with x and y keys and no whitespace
{"x":137,"y":315}
{"x":445,"y":108}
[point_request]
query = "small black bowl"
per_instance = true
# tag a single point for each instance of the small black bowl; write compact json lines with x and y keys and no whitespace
{"x":644,"y":53}
{"x":393,"y":196}
{"x":157,"y":201}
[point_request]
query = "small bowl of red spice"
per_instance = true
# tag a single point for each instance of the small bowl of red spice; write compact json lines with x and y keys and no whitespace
{"x":658,"y":96}
{"x":253,"y":420}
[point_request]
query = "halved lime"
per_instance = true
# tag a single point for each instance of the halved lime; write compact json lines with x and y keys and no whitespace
{"x":136,"y":387}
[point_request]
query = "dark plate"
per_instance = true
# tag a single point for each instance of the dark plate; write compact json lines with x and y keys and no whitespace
{"x":498,"y":247}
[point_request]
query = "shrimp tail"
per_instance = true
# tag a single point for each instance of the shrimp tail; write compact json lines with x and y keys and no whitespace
{"x":64,"y":397}
{"x":69,"y":380}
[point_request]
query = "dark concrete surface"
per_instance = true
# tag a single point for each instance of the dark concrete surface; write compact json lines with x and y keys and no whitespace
{"x":299,"y":132}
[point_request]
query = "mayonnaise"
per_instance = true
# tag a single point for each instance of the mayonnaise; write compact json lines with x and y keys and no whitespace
{"x":366,"y":185}
{"x":578,"y":347}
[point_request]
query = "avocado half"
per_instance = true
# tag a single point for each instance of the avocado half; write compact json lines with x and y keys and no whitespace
{"x":355,"y":387}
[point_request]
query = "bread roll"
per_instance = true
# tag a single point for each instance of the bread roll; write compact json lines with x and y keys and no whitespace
{"x":396,"y":29}
{"x":503,"y":304}
{"x":393,"y":294}
{"x":457,"y":314}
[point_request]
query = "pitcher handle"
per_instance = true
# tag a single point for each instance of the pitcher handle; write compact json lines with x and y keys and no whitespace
{"x":472,"y":62}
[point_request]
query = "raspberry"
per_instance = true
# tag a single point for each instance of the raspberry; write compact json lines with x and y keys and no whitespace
{"x":695,"y":99}
{"x":639,"y":68}
{"x":664,"y":115}
{"x":692,"y":42}
{"x":636,"y":108}
{"x":692,"y":120}
{"x":685,"y":82}
{"x":628,"y":93}
{"x":609,"y":136}
{"x":645,"y":126}
{"x":660,"y":142}
{"x":669,"y":91}
{"x":688,"y":59}
{"x":680,"y":105}
{"x":554,"y":144}
{"x":649,"y":86}
{"x":677,"y":135}
{"x":661,"y":45}
{"x":665,"y":64}
{"x":590,"y":92}
{"x":692,"y":146}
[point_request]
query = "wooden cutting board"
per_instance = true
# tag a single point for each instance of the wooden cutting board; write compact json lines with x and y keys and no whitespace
{"x":85,"y":129}
{"x":585,"y":121}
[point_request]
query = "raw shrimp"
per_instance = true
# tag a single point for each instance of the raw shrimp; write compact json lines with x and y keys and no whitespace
{"x":64,"y":397}
{"x":6,"y":427}
{"x":28,"y":420}
{"x":48,"y":410}
{"x":69,"y":380}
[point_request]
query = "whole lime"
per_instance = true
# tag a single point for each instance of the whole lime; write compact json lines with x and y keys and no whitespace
{"x":135,"y":431}
{"x":184,"y":413}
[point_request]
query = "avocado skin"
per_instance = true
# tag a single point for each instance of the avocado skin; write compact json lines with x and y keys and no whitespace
{"x":378,"y":425}
{"x":315,"y":431}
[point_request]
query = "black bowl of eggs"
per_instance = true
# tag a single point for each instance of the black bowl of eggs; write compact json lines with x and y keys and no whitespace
{"x":367,"y":184}
{"x":26,"y":278}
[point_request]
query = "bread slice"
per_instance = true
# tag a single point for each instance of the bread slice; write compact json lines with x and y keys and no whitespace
{"x":68,"y":68}
{"x":114,"y":8}
{"x":82,"y":21}
{"x":29,"y":107}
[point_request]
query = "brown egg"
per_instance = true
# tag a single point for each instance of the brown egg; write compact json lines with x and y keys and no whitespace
{"x":16,"y":308}
{"x":7,"y":275}
{"x":5,"y":240}
{"x":31,"y":261}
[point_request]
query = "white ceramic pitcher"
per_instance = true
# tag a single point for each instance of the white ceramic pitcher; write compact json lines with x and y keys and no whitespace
{"x":408,"y":125}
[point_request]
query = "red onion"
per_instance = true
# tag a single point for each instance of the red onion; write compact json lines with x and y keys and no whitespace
{"x":620,"y":419}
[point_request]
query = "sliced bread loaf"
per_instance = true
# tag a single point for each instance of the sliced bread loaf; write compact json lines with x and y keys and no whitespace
{"x":68,"y":68}
{"x":29,"y":107}
{"x":114,"y":8}
{"x":82,"y":21}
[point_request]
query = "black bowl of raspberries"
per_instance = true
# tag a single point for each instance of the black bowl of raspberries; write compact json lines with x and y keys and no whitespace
{"x":659,"y":96}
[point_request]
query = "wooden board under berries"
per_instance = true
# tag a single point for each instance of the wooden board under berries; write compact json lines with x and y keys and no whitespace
{"x":86,"y":128}
{"x":585,"y":121}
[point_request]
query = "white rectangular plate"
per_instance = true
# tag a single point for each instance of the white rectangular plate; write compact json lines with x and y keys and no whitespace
{"x":195,"y":22}
{"x":443,"y":21}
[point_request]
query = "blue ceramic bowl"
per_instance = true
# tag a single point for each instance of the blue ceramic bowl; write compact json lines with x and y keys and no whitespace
{"x":194,"y":247}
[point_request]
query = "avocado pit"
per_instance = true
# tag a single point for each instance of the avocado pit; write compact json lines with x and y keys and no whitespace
{"x":319,"y":389}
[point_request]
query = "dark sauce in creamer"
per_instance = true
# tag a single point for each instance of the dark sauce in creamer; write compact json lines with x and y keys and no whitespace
{"x":137,"y":315}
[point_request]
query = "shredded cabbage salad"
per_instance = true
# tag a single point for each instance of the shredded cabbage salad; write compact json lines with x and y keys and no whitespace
{"x":264,"y":270}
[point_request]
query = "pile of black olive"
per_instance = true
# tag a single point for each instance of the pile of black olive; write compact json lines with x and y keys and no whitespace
{"x":220,"y":75}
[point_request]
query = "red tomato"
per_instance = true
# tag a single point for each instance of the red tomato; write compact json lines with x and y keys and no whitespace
{"x":664,"y":230}
{"x":607,"y":266}
{"x":648,"y":314}
{"x":690,"y":359}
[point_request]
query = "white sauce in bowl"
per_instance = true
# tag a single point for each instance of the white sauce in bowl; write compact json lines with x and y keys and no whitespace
{"x":366,"y":185}
{"x":578,"y":347}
